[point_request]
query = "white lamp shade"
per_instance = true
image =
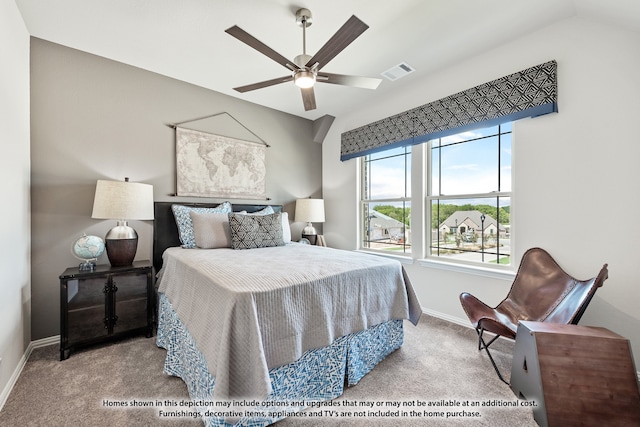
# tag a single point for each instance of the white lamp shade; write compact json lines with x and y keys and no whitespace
{"x":309,"y":210}
{"x":123,"y":200}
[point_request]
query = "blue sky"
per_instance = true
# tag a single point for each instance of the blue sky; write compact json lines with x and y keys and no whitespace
{"x":466,"y":168}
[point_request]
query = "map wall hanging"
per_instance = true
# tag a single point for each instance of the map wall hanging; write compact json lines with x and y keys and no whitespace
{"x":209,"y":165}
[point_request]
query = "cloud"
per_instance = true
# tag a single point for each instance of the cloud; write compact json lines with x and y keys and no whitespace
{"x":464,"y":136}
{"x":467,"y":167}
{"x":388,"y":183}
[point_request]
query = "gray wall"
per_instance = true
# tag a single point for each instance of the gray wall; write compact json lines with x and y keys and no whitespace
{"x":93,"y":118}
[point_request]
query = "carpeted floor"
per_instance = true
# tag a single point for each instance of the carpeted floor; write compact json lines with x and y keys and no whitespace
{"x":439,"y":364}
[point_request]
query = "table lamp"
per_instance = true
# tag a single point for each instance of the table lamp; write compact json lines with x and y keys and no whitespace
{"x":309,"y":211}
{"x":122,"y":201}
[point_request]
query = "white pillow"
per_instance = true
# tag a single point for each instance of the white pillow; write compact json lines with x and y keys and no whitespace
{"x":286,"y":228}
{"x":211,"y":229}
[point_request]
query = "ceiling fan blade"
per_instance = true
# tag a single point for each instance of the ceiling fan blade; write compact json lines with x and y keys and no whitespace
{"x":350,"y":31}
{"x":265,"y":83}
{"x":308,"y":99}
{"x":355,"y":81}
{"x":248,"y":39}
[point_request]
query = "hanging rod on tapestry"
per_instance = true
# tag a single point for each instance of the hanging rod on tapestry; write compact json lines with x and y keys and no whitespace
{"x":175,"y":125}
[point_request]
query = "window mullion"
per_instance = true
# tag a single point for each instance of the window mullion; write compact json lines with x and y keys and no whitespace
{"x":499,"y":158}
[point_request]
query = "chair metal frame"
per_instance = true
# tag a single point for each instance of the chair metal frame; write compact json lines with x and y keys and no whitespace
{"x":483,"y":345}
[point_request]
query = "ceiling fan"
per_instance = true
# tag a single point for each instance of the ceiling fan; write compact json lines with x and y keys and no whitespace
{"x":305,"y":69}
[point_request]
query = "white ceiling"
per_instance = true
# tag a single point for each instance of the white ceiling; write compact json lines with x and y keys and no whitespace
{"x":186,"y":39}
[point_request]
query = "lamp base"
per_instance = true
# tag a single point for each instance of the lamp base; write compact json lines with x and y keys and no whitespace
{"x":121,"y":243}
{"x":121,"y":252}
{"x":312,"y":238}
{"x":310,"y":233}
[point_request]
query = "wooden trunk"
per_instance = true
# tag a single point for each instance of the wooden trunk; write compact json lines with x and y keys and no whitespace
{"x":575,"y":375}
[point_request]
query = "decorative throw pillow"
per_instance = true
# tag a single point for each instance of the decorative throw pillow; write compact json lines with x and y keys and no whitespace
{"x":286,"y":227}
{"x":255,"y":231}
{"x":265,"y":211}
{"x":211,"y":229}
{"x":185,"y":225}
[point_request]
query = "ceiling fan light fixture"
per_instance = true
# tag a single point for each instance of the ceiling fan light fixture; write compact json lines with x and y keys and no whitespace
{"x":304,"y":79}
{"x":304,"y":68}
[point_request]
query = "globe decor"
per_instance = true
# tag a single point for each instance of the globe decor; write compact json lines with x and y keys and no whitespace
{"x":87,"y":249}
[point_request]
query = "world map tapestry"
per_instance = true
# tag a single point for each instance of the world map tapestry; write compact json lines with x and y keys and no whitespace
{"x":209,"y":165}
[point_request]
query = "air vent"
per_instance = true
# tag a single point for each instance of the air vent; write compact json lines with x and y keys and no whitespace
{"x":398,"y":71}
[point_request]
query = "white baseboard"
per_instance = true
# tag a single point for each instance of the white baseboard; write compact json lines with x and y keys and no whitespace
{"x":465,"y":322}
{"x":448,"y":318}
{"x":44,"y":342}
{"x":23,"y":361}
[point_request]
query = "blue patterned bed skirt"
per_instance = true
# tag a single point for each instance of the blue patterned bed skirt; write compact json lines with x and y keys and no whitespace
{"x":319,"y":375}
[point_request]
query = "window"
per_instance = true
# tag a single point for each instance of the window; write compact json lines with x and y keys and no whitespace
{"x":470,"y":196}
{"x":386,"y":201}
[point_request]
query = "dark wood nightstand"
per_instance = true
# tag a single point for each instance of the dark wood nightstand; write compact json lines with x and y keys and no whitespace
{"x":575,"y":374}
{"x":105,"y":304}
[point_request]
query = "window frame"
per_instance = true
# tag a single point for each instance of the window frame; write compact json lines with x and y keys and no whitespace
{"x":429,"y":199}
{"x":420,"y":200}
{"x":405,"y":200}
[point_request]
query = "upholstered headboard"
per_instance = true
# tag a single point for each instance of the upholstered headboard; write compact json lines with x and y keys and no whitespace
{"x":165,"y":230}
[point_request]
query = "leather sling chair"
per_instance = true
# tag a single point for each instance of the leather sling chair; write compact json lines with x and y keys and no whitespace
{"x":541,"y":292}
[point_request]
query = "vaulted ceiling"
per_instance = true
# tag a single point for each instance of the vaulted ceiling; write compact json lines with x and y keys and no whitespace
{"x":186,"y":39}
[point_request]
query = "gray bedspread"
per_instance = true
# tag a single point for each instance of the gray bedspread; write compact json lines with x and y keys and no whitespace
{"x":252,"y":310}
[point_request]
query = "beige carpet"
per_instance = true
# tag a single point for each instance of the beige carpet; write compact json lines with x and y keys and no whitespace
{"x":438,"y":364}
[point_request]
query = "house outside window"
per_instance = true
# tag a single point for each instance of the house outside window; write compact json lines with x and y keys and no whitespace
{"x":469,"y":195}
{"x":386,"y":201}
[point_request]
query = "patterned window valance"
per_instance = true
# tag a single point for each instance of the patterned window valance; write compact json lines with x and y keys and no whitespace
{"x":527,"y":93}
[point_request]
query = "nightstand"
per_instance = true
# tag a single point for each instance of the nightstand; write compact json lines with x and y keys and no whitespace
{"x":105,"y":304}
{"x":575,"y":374}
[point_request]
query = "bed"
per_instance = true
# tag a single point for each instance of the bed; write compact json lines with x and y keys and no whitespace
{"x":260,"y":334}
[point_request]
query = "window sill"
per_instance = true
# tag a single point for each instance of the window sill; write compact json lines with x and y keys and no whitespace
{"x":493,"y":273}
{"x":403,"y":259}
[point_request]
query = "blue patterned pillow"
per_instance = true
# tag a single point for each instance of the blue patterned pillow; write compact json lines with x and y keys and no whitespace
{"x":185,"y":224}
{"x":265,"y":211}
{"x":255,"y":231}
